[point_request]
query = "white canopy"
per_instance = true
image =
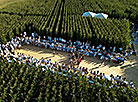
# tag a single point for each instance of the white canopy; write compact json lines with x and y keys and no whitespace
{"x":101,"y":15}
{"x":98,"y":15}
{"x":88,"y":14}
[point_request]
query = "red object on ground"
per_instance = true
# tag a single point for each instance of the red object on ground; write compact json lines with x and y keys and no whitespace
{"x":79,"y":60}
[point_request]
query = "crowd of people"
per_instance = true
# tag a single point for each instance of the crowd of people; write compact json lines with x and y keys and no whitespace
{"x":77,"y":49}
{"x":80,"y":49}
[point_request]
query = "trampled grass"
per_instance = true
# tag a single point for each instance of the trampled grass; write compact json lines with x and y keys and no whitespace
{"x":3,"y":3}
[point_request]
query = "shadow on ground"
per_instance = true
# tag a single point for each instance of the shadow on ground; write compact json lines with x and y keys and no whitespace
{"x":129,"y":70}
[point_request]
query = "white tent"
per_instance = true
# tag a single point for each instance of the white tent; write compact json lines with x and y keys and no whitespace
{"x":101,"y":15}
{"x":98,"y":15}
{"x":88,"y":14}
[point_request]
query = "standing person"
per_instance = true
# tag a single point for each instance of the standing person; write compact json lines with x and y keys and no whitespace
{"x":24,"y":35}
{"x":71,"y":61}
{"x":131,"y":83}
{"x":102,"y":63}
{"x":79,"y":60}
{"x":44,"y":37}
{"x":21,"y":35}
{"x":33,"y":36}
{"x":82,"y":57}
{"x":54,"y":52}
{"x":73,"y":55}
{"x":76,"y":54}
{"x":122,"y":59}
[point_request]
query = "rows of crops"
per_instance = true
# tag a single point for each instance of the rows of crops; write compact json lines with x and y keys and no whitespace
{"x":98,"y":31}
{"x":30,"y":7}
{"x":63,"y":18}
{"x":20,"y":83}
{"x":114,"y":8}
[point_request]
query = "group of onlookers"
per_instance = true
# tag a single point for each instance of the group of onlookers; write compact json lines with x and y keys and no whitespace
{"x":81,"y":48}
{"x":77,"y":49}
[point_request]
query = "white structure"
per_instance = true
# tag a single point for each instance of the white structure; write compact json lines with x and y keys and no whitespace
{"x":89,"y":14}
{"x":98,"y":15}
{"x":101,"y":15}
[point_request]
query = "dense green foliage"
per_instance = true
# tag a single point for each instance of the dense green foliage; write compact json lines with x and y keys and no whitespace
{"x":63,"y":18}
{"x":22,"y":83}
{"x":114,"y":8}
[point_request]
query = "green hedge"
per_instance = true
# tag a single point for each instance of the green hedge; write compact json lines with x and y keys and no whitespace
{"x":22,"y":83}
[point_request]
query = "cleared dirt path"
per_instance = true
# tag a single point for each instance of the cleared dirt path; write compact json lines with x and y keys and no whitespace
{"x":128,"y":70}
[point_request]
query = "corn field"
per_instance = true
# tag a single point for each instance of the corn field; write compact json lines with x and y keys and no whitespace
{"x":23,"y":83}
{"x":61,"y":18}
